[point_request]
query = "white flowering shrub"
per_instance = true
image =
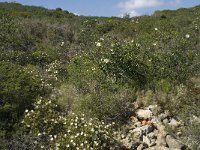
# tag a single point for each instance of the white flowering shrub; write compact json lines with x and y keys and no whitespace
{"x":57,"y":130}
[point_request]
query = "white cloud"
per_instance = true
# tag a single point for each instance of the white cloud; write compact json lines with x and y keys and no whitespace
{"x":132,"y":6}
{"x":132,"y":13}
{"x":137,"y":4}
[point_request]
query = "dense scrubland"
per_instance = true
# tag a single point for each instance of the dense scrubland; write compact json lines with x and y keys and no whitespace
{"x":68,"y":81}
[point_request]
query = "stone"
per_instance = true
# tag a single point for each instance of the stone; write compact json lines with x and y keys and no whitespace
{"x":179,"y":133}
{"x":146,"y":140}
{"x":161,"y":141}
{"x":144,"y":114}
{"x":152,"y":107}
{"x":145,"y":129}
{"x":152,"y":135}
{"x":137,"y":104}
{"x":140,"y":147}
{"x":153,"y":142}
{"x":137,"y":132}
{"x":133,"y":119}
{"x":161,"y":128}
{"x":144,"y":122}
{"x":162,"y":116}
{"x":155,"y":120}
{"x":165,"y":121}
{"x":174,"y":123}
{"x":173,"y":143}
{"x":159,"y":148}
{"x":138,"y":124}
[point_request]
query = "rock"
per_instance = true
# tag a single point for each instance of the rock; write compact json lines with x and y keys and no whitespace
{"x":137,"y":104}
{"x":133,"y":119}
{"x":162,"y":116}
{"x":179,"y":133}
{"x":153,"y":142}
{"x":159,"y":148}
{"x":122,"y":136}
{"x":137,"y":132}
{"x":144,"y":114}
{"x":152,"y":107}
{"x":161,"y":141}
{"x":161,"y":128}
{"x":146,"y":140}
{"x":138,"y":124}
{"x":144,"y":129}
{"x":165,"y":121}
{"x":146,"y":122}
{"x":174,"y":123}
{"x":173,"y":143}
{"x":152,"y":135}
{"x":155,"y":120}
{"x":140,"y":147}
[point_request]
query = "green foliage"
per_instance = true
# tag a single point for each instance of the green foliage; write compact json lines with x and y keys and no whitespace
{"x":97,"y":64}
{"x":57,"y":130}
{"x":19,"y":88}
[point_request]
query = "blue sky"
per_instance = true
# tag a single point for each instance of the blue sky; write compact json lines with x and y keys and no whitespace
{"x":110,"y":7}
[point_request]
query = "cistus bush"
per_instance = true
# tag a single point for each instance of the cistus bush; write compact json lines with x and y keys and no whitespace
{"x":57,"y":130}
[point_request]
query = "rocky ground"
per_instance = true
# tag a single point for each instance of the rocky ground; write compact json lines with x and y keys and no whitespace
{"x":146,"y":130}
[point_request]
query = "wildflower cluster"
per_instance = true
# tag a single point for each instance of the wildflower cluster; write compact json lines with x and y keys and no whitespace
{"x":56,"y":130}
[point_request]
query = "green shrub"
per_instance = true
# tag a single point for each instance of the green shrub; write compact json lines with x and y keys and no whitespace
{"x":18,"y":90}
{"x":57,"y":130}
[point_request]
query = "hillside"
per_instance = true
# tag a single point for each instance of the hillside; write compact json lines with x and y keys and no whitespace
{"x":68,"y":79}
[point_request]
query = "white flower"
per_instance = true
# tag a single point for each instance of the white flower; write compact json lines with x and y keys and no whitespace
{"x":96,"y":143}
{"x":26,"y":110}
{"x":156,"y":29}
{"x":187,"y":36}
{"x":51,"y":139}
{"x":155,"y":44}
{"x":137,"y":45}
{"x":102,"y":39}
{"x":98,"y":44}
{"x":39,"y":134}
{"x":67,"y":145}
{"x":92,"y":130}
{"x":62,"y":43}
{"x":42,"y":146}
{"x":106,"y":61}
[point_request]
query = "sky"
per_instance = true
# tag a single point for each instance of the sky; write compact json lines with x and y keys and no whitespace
{"x":110,"y":7}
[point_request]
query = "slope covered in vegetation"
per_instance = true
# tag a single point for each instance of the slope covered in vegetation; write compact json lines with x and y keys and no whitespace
{"x":53,"y":63}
